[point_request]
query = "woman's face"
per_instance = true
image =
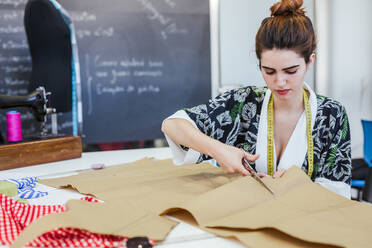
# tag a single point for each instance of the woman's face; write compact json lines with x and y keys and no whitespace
{"x":284,"y":72}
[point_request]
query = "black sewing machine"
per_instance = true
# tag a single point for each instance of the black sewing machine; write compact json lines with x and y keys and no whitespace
{"x":37,"y":101}
{"x":43,"y":147}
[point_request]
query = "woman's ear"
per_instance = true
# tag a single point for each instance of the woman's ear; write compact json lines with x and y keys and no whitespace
{"x":311,"y":61}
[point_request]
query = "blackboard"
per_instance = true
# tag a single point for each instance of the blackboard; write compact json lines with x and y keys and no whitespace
{"x":140,"y":61}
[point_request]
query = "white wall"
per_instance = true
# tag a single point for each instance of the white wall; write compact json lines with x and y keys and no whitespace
{"x":239,"y":22}
{"x":351,"y":63}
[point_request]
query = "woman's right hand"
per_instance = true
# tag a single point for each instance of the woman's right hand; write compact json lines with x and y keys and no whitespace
{"x":230,"y":159}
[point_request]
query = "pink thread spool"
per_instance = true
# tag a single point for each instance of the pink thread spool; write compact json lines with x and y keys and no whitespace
{"x":13,"y":126}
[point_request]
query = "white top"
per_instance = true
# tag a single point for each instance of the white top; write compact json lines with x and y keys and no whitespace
{"x":294,"y":153}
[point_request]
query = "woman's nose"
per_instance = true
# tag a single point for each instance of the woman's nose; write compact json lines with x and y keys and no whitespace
{"x":280,"y":79}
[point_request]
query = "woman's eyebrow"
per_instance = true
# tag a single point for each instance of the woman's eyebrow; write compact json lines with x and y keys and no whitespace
{"x":268,"y":68}
{"x":291,"y":67}
{"x":284,"y":69}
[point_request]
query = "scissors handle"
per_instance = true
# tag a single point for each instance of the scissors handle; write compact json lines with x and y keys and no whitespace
{"x":248,"y":164}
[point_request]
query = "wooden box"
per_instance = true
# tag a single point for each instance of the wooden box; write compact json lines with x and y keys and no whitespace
{"x":39,"y":152}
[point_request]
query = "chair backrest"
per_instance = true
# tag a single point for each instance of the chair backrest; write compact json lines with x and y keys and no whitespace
{"x":55,"y":64}
{"x":367,"y":131}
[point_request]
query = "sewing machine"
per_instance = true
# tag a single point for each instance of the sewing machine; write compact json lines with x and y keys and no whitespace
{"x":36,"y":100}
{"x":43,"y":147}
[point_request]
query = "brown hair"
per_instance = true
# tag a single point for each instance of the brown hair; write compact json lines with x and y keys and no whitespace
{"x":287,"y":28}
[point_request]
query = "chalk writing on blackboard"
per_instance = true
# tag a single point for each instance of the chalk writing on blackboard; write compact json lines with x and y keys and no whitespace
{"x":148,"y":89}
{"x":170,"y":3}
{"x":132,"y":62}
{"x":98,"y":32}
{"x":117,"y":74}
{"x":129,"y":89}
{"x":14,"y":3}
{"x":16,"y":68}
{"x":82,"y":16}
{"x":14,"y":82}
{"x":11,"y":15}
{"x":10,"y":29}
{"x":11,"y":44}
{"x":169,"y":25}
{"x":13,"y":92}
{"x":14,"y":58}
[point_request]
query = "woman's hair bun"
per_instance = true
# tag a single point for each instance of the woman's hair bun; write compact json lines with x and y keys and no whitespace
{"x":287,"y":7}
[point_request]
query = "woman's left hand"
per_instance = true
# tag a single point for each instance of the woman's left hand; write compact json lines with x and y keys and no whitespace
{"x":277,"y":174}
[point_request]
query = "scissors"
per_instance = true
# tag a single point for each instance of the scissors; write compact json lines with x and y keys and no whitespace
{"x":249,"y":168}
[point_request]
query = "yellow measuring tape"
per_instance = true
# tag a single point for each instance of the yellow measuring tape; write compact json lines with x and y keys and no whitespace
{"x":270,"y":136}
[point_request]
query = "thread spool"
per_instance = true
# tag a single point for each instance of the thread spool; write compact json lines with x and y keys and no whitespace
{"x":13,"y":126}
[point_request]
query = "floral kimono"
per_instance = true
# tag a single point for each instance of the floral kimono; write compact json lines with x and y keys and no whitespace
{"x":239,"y":118}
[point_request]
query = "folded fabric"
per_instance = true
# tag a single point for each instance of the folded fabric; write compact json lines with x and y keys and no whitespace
{"x":26,"y":187}
{"x":8,"y":188}
{"x":16,"y":216}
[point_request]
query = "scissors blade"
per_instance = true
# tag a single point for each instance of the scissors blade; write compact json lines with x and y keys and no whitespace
{"x":249,"y":168}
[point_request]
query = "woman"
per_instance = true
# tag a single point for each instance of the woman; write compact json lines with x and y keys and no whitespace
{"x":277,"y":126}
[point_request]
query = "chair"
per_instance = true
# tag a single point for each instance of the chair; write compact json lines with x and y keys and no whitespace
{"x":361,"y":167}
{"x":367,"y":155}
{"x":55,"y":65}
{"x":359,"y":172}
{"x":367,"y":131}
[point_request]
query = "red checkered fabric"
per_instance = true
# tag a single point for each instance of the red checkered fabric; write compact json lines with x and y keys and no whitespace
{"x":15,"y":216}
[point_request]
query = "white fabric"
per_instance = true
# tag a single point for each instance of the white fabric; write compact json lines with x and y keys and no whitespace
{"x":180,"y":156}
{"x":337,"y":187}
{"x":295,"y":151}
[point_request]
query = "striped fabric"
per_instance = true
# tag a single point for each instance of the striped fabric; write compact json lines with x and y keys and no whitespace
{"x":26,"y":187}
{"x":15,"y":216}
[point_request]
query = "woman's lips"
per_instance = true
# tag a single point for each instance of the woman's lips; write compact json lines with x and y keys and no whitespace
{"x":282,"y":92}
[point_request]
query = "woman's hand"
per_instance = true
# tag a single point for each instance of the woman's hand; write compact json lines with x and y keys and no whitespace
{"x":230,"y":159}
{"x":277,"y":174}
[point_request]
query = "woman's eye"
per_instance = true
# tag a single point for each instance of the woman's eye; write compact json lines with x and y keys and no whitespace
{"x":269,"y":72}
{"x":291,"y":72}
